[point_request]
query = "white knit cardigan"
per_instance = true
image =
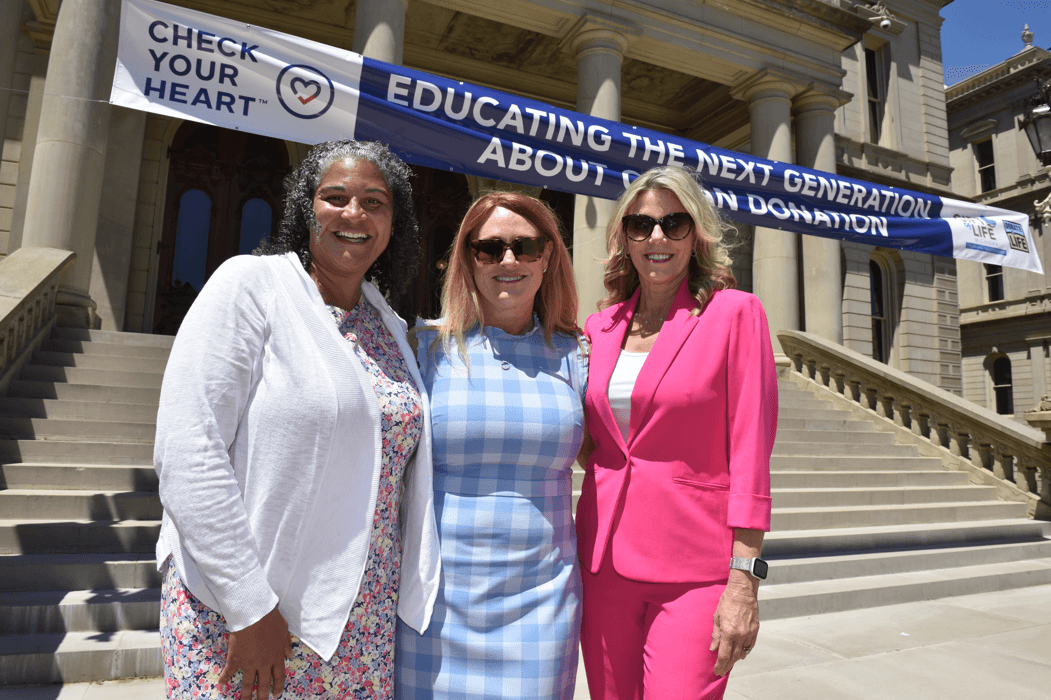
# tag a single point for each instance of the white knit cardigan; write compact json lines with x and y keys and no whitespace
{"x":268,"y":452}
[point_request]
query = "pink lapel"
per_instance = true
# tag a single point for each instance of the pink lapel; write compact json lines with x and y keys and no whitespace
{"x":676,"y":329}
{"x":605,"y":352}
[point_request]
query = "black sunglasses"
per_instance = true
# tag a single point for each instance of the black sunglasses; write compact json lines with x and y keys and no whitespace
{"x":492,"y":250}
{"x":675,"y":226}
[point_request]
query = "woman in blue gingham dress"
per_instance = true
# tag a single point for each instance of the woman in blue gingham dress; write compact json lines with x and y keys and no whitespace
{"x":507,"y":426}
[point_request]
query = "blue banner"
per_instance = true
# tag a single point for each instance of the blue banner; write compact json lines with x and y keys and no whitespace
{"x":266,"y":82}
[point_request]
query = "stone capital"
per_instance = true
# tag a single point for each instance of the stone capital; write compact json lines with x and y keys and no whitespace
{"x":817,"y":97}
{"x":769,"y":82}
{"x":594,"y":32}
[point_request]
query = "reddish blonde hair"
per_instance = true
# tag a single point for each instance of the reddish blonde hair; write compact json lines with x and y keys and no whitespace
{"x":555,"y":303}
{"x":709,"y":268}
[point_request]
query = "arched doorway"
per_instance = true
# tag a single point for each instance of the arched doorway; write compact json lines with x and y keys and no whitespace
{"x":223,"y":196}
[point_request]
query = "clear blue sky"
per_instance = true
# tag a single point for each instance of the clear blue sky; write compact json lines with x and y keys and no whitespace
{"x":978,"y":34}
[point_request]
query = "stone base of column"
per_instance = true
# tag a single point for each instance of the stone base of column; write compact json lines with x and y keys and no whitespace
{"x":75,"y":309}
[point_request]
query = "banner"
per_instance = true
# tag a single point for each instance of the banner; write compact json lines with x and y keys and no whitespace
{"x":192,"y":65}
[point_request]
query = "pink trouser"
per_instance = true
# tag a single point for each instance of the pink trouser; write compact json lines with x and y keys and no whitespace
{"x":648,"y":641}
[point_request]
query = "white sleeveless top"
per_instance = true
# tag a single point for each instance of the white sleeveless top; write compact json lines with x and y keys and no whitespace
{"x":621,"y":384}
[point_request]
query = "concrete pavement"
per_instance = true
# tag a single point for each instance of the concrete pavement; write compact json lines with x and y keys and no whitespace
{"x":977,"y":647}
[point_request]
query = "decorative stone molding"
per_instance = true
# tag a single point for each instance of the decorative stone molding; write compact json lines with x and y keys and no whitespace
{"x":1043,"y":210}
{"x":992,"y":449}
{"x":1039,"y":417}
{"x":595,"y":32}
{"x":881,"y":17}
{"x":29,"y":287}
{"x":820,"y":97}
{"x":1016,"y":69}
{"x":979,"y":130}
{"x":769,"y":82}
{"x":873,"y":159}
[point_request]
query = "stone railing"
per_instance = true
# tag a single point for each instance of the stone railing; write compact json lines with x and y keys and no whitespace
{"x":993,"y":449}
{"x":29,"y":280}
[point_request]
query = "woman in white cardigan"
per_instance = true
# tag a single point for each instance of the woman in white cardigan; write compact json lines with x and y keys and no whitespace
{"x":293,"y":450}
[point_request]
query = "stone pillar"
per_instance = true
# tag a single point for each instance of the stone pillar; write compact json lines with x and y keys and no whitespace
{"x":66,"y":183}
{"x":822,"y":258}
{"x":379,"y":29}
{"x":10,"y":24}
{"x":599,"y":44}
{"x":775,"y":271}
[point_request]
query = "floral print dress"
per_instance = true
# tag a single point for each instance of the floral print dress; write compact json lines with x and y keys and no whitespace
{"x":194,"y":638}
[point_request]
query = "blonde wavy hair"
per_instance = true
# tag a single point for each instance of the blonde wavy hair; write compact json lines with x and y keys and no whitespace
{"x":555,"y":303}
{"x":709,"y":267}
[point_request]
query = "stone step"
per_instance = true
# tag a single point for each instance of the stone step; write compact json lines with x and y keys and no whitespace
{"x":859,"y":540}
{"x":115,"y":363}
{"x":884,"y":515}
{"x":113,"y":337}
{"x":59,"y":536}
{"x":880,"y":496}
{"x":79,"y":410}
{"x":57,"y":612}
{"x":107,"y":349}
{"x":90,"y":477}
{"x":874,"y":478}
{"x":77,"y":657}
{"x":75,"y":452}
{"x":799,"y":421}
{"x":829,"y":440}
{"x":802,"y":402}
{"x":78,"y":572}
{"x":822,"y":463}
{"x":826,"y":414}
{"x":20,"y":388}
{"x":34,"y":504}
{"x":848,"y":449}
{"x":95,"y":377}
{"x":816,"y":597}
{"x":827,"y":568}
{"x":87,"y":430}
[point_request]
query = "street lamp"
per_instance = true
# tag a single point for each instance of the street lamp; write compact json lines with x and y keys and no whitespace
{"x":1037,"y":122}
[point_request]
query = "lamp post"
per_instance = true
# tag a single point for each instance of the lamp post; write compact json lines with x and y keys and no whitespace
{"x":1037,"y":122}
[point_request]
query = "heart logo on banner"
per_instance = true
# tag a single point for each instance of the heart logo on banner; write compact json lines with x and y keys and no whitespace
{"x":299,"y":85}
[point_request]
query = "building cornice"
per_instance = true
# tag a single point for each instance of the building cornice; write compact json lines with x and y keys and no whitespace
{"x":1022,"y":67}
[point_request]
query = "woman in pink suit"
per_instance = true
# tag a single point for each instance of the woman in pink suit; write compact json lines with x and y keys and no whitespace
{"x":681,"y":408}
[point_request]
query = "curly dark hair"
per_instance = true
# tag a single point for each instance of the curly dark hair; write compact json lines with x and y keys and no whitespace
{"x":396,"y":266}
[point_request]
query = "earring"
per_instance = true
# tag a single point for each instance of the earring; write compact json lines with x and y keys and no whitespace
{"x":545,"y":269}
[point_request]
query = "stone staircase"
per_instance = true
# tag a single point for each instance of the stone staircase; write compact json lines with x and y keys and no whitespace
{"x":79,"y":511}
{"x":858,"y":521}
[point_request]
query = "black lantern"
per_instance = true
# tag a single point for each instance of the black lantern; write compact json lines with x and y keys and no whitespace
{"x":1037,"y":122}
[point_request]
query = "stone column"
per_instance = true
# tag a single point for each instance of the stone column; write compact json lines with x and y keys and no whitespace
{"x":379,"y":29}
{"x":775,"y":272}
{"x":822,"y":259}
{"x":10,"y":24}
{"x":599,"y":44}
{"x":66,"y":183}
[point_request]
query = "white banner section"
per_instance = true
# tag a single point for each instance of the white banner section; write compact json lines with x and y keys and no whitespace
{"x":193,"y":65}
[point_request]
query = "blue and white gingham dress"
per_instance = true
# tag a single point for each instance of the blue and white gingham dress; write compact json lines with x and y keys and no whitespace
{"x":507,"y":618}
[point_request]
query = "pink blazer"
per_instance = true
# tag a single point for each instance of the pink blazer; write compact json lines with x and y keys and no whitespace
{"x":696,"y":463}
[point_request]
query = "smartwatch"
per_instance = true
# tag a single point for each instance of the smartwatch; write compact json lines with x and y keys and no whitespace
{"x":756,"y":567}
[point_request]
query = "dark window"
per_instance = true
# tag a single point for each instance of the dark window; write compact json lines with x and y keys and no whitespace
{"x":875,"y":78}
{"x":878,"y":298}
{"x":983,"y":151}
{"x":191,"y":239}
{"x":994,"y":282}
{"x":256,"y":222}
{"x":1002,"y":386}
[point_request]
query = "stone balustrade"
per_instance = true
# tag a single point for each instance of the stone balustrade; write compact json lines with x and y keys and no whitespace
{"x":29,"y":282}
{"x":993,"y":448}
